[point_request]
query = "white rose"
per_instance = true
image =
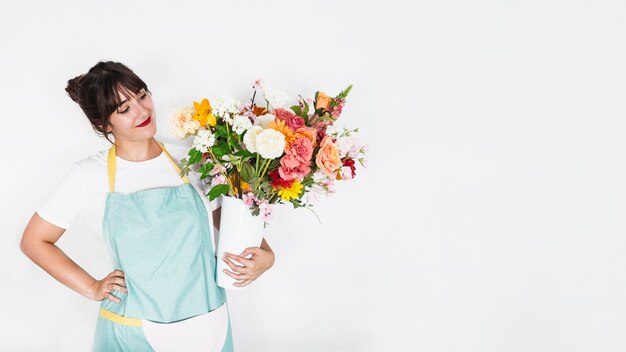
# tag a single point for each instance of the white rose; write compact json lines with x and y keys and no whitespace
{"x":249,"y":139}
{"x":264,"y":120}
{"x":270,"y":144}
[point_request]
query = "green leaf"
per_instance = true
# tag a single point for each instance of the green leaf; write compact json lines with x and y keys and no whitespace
{"x":306,"y":109}
{"x":221,"y":150}
{"x":220,"y":131}
{"x":344,"y":93}
{"x":247,"y":172}
{"x":194,"y":156}
{"x":217,"y":191}
{"x":296,"y":110}
{"x":244,"y":153}
{"x":205,"y":170}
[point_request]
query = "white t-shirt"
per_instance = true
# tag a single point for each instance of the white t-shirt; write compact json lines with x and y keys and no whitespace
{"x":82,"y":192}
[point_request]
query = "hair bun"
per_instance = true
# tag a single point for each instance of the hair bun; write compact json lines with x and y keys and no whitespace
{"x":73,"y":86}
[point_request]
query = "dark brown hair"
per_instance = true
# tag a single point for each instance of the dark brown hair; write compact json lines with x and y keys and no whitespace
{"x":96,"y":92}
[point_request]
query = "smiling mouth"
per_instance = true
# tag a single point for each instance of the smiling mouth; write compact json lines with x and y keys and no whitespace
{"x":145,"y":123}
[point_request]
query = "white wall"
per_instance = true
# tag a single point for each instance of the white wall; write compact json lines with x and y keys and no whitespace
{"x":490,"y":217}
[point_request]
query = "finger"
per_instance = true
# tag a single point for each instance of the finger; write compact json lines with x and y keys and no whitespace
{"x":250,"y":250}
{"x":115,"y":287}
{"x":118,"y":280}
{"x":116,"y":273}
{"x":236,"y":268}
{"x":241,"y":260}
{"x":242,"y":283}
{"x":234,"y":275}
{"x":110,"y":296}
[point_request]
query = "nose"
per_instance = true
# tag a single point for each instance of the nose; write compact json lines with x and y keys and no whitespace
{"x":143,"y":110}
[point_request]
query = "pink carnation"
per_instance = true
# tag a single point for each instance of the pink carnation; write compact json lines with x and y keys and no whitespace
{"x":293,"y":169}
{"x":301,"y":148}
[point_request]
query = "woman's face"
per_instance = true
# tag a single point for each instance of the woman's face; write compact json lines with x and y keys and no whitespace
{"x":134,"y":119}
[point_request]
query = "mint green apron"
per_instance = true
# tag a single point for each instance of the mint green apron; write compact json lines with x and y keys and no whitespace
{"x":160,"y":238}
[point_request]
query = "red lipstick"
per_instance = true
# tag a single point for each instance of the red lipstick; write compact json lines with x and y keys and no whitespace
{"x":145,"y":123}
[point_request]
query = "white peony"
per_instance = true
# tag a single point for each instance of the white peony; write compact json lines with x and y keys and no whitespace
{"x":204,"y":140}
{"x":241,"y":124}
{"x":249,"y":139}
{"x":270,"y":144}
{"x":183,"y":123}
{"x":275,"y":97}
{"x":264,"y":120}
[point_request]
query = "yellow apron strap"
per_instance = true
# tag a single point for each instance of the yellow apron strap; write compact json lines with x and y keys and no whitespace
{"x":173,"y":162}
{"x":116,"y":318}
{"x":111,"y":165}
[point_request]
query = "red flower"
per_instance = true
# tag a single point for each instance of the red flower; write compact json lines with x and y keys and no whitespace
{"x":350,"y":163}
{"x":278,"y":182}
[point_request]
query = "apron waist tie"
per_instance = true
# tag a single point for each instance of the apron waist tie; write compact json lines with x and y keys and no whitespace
{"x":120,"y":319}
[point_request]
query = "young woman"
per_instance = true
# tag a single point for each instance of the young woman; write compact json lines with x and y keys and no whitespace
{"x":162,"y":294}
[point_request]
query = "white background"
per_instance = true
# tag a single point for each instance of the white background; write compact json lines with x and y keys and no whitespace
{"x":490,"y":217}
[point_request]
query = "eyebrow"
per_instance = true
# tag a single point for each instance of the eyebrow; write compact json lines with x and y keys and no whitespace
{"x":125,"y":100}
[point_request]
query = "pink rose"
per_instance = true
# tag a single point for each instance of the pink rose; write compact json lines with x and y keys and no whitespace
{"x":327,"y":158}
{"x":292,"y":120}
{"x":293,"y":169}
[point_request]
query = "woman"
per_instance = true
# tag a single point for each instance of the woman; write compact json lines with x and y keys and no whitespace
{"x":162,"y":294}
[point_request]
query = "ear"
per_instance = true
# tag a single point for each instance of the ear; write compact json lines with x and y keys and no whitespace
{"x":109,"y":128}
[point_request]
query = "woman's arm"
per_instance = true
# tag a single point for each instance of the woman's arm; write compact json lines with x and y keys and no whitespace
{"x":262,"y":259}
{"x":38,"y":243}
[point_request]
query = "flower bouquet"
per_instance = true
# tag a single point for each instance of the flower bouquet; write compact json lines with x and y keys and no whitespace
{"x":255,"y":156}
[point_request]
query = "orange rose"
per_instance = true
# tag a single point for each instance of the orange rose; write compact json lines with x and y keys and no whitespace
{"x":327,"y":158}
{"x":323,"y":101}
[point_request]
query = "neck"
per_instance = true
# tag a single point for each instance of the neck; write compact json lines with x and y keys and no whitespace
{"x":137,"y":150}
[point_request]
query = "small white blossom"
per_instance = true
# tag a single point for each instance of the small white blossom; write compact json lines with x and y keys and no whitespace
{"x":274,"y":96}
{"x":241,"y":124}
{"x":347,"y":146}
{"x":225,"y":107}
{"x":332,"y":130}
{"x":204,"y":140}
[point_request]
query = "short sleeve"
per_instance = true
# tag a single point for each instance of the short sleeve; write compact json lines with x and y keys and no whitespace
{"x":66,"y":200}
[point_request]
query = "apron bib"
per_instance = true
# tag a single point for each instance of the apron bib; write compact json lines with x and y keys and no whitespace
{"x":160,"y":238}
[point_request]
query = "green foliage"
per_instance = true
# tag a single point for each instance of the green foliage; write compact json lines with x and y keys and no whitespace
{"x":344,"y":93}
{"x":247,"y":172}
{"x":194,"y":156}
{"x":205,"y":170}
{"x":220,"y":131}
{"x":217,"y":191}
{"x":220,"y":150}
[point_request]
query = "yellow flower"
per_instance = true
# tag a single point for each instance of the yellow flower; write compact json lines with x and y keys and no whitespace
{"x":291,"y":192}
{"x":204,"y":113}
